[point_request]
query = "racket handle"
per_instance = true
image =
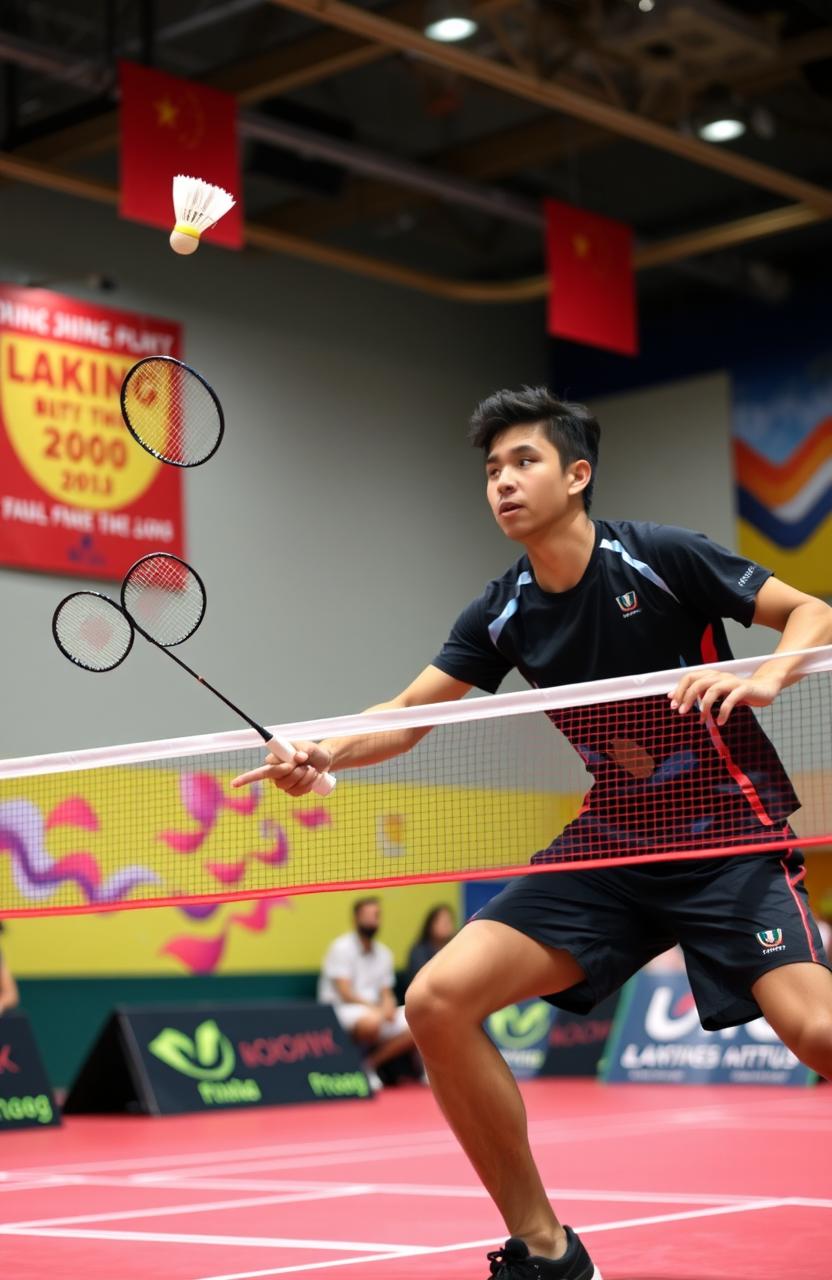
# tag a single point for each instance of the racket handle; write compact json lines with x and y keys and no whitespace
{"x":286,"y":752}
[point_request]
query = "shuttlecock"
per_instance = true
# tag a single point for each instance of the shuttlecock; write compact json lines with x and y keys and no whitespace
{"x":197,"y":205}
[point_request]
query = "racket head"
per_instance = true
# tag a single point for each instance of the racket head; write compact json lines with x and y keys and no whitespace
{"x":171,"y":411}
{"x":92,"y":631}
{"x":164,"y":597}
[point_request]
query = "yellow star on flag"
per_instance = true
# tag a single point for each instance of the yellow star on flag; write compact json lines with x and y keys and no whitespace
{"x":166,"y":112}
{"x":581,"y":245}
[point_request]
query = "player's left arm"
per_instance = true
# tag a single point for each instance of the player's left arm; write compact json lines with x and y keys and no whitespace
{"x":803,"y":621}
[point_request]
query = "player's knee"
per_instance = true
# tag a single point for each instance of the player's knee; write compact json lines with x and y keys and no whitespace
{"x":431,"y":1008}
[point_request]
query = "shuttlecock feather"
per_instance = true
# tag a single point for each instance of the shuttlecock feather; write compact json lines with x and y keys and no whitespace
{"x":197,"y":205}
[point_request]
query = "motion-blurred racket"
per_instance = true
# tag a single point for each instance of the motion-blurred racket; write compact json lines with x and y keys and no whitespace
{"x":163,"y":599}
{"x":171,"y":411}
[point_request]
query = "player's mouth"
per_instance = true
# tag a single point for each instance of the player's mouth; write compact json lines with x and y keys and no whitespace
{"x":509,"y":508}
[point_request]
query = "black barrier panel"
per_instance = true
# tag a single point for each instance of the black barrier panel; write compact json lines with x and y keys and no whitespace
{"x":537,"y":1039}
{"x":577,"y":1041}
{"x":26,"y":1098}
{"x":200,"y":1057}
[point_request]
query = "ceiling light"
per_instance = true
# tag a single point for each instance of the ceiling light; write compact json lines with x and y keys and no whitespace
{"x":450,"y":29}
{"x":646,"y":6}
{"x":725,"y":129}
{"x":449,"y":20}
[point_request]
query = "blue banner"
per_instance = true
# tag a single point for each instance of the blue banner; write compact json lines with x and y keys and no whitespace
{"x":657,"y":1038}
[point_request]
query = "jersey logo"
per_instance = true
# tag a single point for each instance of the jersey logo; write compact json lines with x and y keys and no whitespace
{"x":628,"y":602}
{"x":770,"y":938}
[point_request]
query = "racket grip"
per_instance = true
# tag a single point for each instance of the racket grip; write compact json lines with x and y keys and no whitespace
{"x":286,"y":752}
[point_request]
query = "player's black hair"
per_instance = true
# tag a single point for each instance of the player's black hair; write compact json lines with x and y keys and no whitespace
{"x":363,"y":902}
{"x":570,"y":427}
{"x":424,"y":936}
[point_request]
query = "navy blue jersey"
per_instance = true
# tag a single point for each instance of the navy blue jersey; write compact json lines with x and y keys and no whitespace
{"x":652,"y":597}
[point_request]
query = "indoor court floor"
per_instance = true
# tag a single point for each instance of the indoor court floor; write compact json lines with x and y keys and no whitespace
{"x":664,"y":1183}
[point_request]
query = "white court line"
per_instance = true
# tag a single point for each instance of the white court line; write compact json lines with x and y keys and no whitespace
{"x":662,"y":1116}
{"x":573,"y":1125}
{"x":231,"y":1242}
{"x":436,"y":1191}
{"x":274,"y":1150}
{"x":288,"y":1192}
{"x":624,"y":1224}
{"x":442,"y":1146}
{"x":180,"y":1210}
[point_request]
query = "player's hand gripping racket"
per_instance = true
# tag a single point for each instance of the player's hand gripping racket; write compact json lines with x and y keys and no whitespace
{"x":163,"y":599}
{"x":171,"y":411}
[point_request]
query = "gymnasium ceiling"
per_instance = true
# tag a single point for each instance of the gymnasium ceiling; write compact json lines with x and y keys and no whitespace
{"x":367,"y":145}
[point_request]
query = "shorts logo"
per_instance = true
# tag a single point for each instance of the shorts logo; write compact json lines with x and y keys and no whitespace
{"x":770,"y":938}
{"x":627,"y":602}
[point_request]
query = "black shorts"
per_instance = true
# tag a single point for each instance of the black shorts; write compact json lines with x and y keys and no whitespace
{"x":735,"y":918}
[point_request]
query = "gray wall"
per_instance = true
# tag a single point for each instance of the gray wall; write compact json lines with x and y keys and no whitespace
{"x":342,"y":524}
{"x":666,"y":456}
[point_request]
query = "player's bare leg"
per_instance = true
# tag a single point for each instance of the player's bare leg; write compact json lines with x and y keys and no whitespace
{"x":486,"y":967}
{"x":796,"y":1000}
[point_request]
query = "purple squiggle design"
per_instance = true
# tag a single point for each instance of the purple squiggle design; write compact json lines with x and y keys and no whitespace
{"x":37,"y":874}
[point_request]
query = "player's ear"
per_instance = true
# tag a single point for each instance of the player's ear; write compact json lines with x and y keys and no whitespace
{"x":580,"y":474}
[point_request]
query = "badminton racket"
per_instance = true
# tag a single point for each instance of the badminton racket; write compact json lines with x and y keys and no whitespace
{"x":163,"y":599}
{"x":171,"y":411}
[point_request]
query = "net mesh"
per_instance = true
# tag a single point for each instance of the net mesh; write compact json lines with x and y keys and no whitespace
{"x":588,"y":776}
{"x":171,"y":412}
{"x":165,"y":597}
{"x":92,"y":631}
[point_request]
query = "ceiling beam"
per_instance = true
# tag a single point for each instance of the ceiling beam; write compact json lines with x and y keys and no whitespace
{"x":558,"y":97}
{"x":524,"y":146}
{"x":268,"y":75}
{"x":678,"y":249}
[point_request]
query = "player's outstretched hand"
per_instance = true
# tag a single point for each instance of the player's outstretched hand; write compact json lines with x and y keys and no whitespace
{"x":709,"y":687}
{"x":298,"y":776}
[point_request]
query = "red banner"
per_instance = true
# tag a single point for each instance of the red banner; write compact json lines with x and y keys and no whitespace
{"x":590,"y":263}
{"x":77,"y":494}
{"x":170,"y":126}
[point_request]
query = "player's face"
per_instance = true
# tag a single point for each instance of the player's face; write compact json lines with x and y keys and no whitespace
{"x":527,"y":487}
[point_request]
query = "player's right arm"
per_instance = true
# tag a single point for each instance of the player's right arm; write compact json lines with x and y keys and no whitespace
{"x":298,"y":776}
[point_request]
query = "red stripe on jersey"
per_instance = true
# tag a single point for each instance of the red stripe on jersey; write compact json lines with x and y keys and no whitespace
{"x":709,"y":654}
{"x":791,"y":881}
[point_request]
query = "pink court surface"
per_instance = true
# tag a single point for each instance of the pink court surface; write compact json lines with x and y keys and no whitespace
{"x":664,"y":1183}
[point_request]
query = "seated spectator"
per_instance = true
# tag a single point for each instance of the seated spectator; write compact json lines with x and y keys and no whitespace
{"x":438,"y":928}
{"x":358,"y":979}
{"x":9,"y":996}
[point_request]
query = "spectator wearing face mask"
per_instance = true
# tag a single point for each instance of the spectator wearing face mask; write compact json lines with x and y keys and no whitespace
{"x":358,"y":979}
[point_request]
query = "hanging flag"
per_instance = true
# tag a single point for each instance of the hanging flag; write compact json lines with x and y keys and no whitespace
{"x":590,"y":266}
{"x":170,"y":126}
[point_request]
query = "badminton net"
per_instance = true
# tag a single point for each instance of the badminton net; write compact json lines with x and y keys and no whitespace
{"x":586,"y":775}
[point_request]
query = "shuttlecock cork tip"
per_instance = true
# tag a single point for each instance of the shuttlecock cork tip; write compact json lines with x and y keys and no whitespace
{"x":182,"y":242}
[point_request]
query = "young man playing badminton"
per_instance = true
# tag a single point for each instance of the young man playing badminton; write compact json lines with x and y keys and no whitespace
{"x":592,"y":600}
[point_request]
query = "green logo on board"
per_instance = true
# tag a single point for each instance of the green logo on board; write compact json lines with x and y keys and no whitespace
{"x":209,"y":1056}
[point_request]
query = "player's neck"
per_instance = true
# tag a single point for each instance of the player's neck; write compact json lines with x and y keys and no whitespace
{"x":560,"y":556}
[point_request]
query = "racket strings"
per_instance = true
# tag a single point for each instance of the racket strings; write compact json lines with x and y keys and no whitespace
{"x":171,"y":411}
{"x":92,"y":631}
{"x":165,"y":597}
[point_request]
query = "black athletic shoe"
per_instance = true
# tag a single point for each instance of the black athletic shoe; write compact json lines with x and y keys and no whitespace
{"x":514,"y":1262}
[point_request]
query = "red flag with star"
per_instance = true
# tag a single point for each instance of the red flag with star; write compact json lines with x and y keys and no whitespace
{"x":169,"y":126}
{"x":592,"y":298}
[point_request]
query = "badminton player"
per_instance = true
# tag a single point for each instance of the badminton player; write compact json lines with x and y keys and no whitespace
{"x":592,"y":599}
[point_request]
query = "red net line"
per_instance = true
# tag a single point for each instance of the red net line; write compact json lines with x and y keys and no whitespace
{"x":592,"y":776}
